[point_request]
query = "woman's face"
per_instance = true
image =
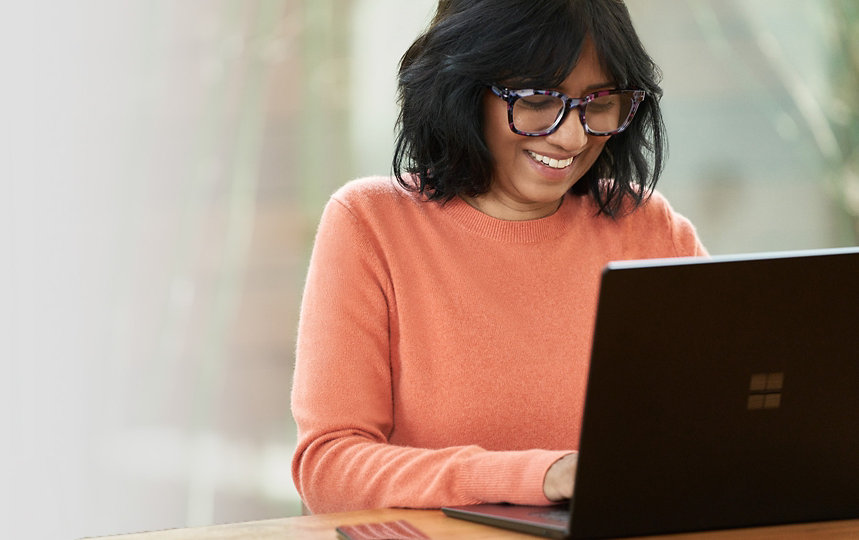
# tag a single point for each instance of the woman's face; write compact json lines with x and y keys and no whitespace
{"x":523,"y":187}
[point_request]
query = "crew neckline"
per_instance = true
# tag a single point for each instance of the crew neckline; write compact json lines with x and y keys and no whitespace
{"x":526,"y":231}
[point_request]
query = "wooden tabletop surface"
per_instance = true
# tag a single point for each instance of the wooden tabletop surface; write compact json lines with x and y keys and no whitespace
{"x":436,"y":525}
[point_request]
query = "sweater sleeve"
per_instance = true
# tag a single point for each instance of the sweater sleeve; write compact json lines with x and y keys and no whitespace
{"x":342,"y":398}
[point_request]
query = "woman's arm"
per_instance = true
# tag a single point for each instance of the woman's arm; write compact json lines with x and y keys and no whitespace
{"x":342,"y":397}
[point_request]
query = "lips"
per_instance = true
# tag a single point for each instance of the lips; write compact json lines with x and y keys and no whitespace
{"x":551,"y":162}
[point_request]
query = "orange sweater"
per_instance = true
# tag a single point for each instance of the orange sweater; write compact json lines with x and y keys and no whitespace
{"x":442,"y":354}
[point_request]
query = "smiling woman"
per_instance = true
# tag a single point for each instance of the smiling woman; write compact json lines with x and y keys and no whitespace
{"x":447,"y":315}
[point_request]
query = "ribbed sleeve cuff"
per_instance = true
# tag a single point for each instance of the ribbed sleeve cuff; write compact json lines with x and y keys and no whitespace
{"x":512,"y":477}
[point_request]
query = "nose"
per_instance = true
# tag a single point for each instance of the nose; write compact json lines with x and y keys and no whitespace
{"x":570,"y":135}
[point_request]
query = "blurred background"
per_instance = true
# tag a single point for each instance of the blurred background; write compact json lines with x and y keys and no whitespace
{"x":164,"y":166}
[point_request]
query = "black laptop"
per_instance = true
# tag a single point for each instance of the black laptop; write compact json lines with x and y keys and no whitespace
{"x":722,"y":393}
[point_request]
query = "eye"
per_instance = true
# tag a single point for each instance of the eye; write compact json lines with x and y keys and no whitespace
{"x":540,"y":102}
{"x":603,"y":104}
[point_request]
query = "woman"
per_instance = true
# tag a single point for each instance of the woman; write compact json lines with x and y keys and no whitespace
{"x":446,"y":322}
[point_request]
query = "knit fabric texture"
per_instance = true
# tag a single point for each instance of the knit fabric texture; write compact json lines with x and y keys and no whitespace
{"x":442,"y":354}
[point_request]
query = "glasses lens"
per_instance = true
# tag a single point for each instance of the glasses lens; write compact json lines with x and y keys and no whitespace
{"x":608,"y":113}
{"x":537,"y":113}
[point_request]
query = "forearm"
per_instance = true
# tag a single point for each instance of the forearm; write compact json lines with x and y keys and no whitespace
{"x":351,"y":472}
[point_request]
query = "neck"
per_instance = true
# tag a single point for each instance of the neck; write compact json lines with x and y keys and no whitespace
{"x":512,"y":211}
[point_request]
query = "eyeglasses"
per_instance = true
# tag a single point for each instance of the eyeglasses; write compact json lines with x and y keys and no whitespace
{"x":536,"y":113}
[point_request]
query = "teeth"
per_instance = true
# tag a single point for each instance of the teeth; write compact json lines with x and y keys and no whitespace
{"x":551,"y":162}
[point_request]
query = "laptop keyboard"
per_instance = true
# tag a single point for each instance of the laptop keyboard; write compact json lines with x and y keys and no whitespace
{"x":559,"y":515}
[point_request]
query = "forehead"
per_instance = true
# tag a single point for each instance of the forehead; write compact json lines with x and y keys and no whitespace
{"x":589,"y":74}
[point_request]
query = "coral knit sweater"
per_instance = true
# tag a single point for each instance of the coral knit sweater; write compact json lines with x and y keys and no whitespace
{"x":442,"y":354}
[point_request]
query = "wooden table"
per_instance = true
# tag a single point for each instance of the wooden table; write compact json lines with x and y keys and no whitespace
{"x":436,"y":525}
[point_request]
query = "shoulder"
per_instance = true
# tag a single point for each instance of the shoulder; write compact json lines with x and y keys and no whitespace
{"x":655,"y":211}
{"x":371,"y":191}
{"x":377,"y":204}
{"x":658,"y":230}
{"x":373,"y":198}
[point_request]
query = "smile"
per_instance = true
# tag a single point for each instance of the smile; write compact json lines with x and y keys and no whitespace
{"x":551,"y":162}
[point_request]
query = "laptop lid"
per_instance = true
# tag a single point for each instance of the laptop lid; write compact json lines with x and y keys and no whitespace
{"x":722,"y":393}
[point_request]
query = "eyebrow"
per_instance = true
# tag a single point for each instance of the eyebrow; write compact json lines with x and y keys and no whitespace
{"x":595,"y":87}
{"x":587,"y":90}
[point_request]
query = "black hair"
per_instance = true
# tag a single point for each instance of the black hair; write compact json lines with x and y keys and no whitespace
{"x":474,"y":43}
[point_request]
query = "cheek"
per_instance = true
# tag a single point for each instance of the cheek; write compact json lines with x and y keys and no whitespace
{"x":595,"y":148}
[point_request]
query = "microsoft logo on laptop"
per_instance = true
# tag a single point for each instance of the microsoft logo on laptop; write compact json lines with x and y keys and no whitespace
{"x":765,"y":391}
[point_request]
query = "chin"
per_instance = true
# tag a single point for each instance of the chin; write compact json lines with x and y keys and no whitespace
{"x":546,"y":193}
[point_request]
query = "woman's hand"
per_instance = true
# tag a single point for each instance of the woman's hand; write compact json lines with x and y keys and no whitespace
{"x":558,"y":483}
